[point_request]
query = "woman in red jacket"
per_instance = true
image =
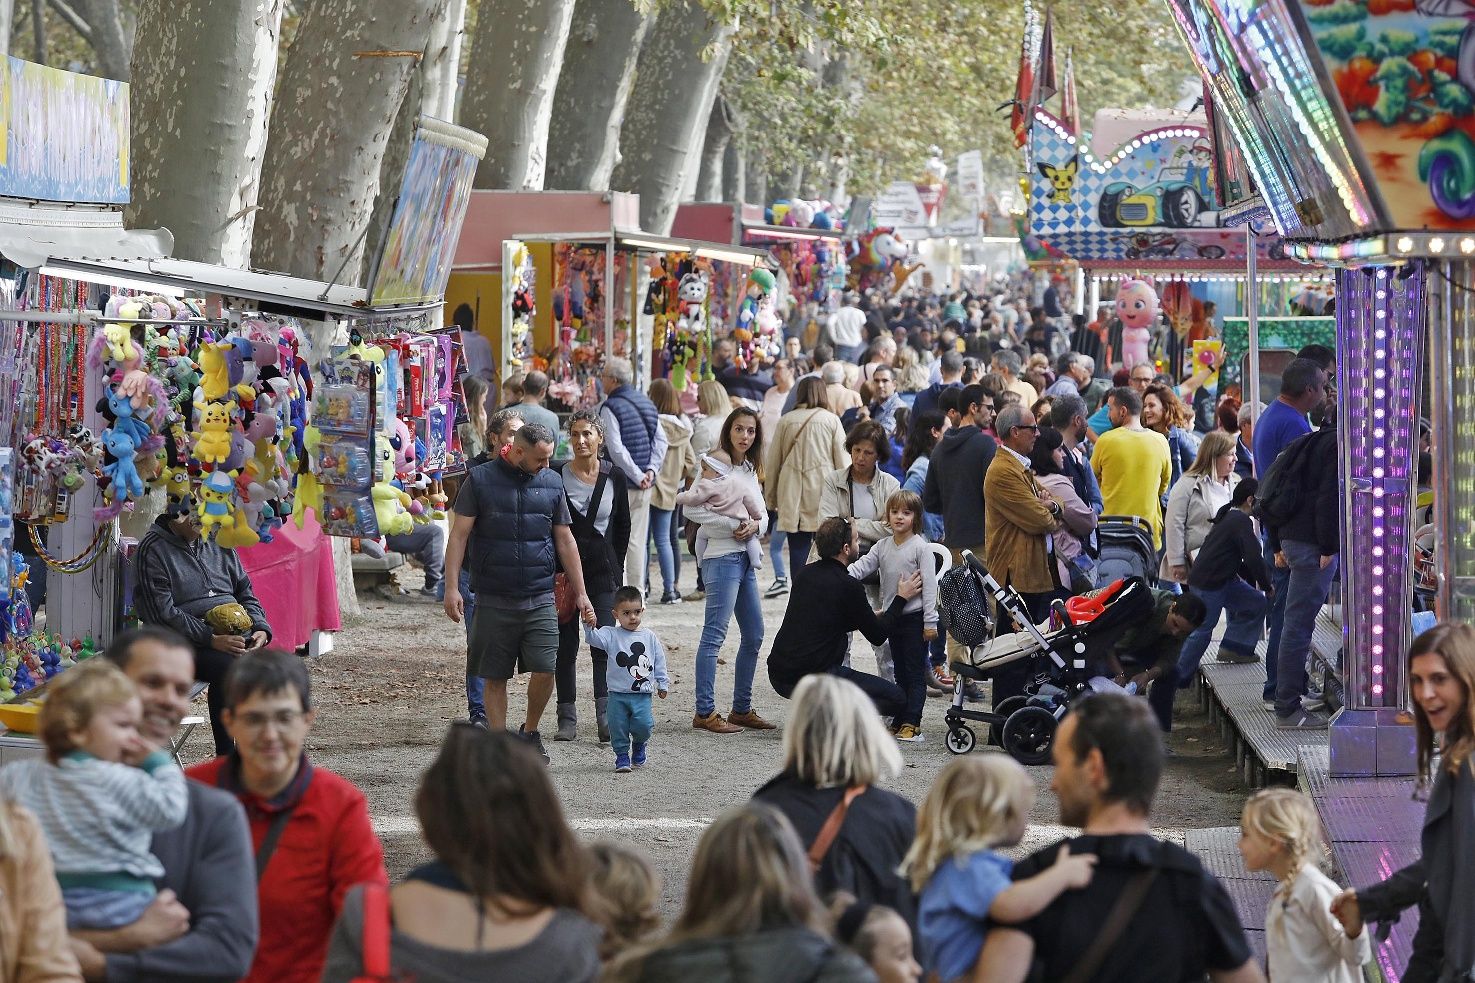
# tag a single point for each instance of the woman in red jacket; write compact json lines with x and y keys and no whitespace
{"x":310,"y":828}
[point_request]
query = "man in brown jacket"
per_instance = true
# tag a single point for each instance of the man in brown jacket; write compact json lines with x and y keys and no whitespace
{"x":1019,"y":517}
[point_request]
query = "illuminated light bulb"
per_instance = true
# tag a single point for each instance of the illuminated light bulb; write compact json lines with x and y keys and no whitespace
{"x":1467,"y":246}
{"x":1378,"y":452}
{"x":1377,"y":689}
{"x":1436,"y":245}
{"x":1377,"y":551}
{"x":1377,"y":610}
{"x":1405,"y":244}
{"x":1378,"y":533}
{"x":1377,"y":592}
{"x":1378,"y":670}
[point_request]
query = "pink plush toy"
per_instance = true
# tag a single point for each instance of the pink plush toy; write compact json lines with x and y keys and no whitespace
{"x":1136,"y":305}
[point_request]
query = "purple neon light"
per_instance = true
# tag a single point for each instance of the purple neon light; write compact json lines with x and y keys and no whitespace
{"x":1380,"y":320}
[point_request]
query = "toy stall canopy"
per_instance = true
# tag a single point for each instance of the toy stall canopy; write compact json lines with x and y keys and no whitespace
{"x":1150,"y":206}
{"x":1355,"y":118}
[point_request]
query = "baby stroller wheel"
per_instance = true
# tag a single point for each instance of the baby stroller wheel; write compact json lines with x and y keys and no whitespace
{"x":1006,"y":707}
{"x":1028,"y":734}
{"x":961,"y":739}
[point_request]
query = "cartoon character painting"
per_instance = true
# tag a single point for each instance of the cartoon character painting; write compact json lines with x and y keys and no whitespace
{"x":1062,"y":178}
{"x":1137,"y":307}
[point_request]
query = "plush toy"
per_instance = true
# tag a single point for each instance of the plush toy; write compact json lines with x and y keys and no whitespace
{"x":120,"y":409}
{"x":215,"y":508}
{"x":121,"y":348}
{"x":1137,"y":307}
{"x":216,"y":374}
{"x":229,"y":618}
{"x":123,"y":470}
{"x":392,"y":509}
{"x":213,"y":439}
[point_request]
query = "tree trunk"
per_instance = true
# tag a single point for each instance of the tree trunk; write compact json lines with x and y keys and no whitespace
{"x":337,"y":98}
{"x":593,"y":90}
{"x":7,"y":24}
{"x":108,"y":39}
{"x":721,"y":123}
{"x":516,"y":57}
{"x":735,"y":169}
{"x":396,"y":156}
{"x":201,"y":92}
{"x":681,"y":65}
{"x":441,"y":70}
{"x":38,"y":30}
{"x":757,"y":175}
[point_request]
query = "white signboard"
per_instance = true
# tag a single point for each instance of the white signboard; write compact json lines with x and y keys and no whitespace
{"x":900,"y":207}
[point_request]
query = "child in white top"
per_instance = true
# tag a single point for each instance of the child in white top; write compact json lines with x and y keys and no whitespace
{"x":717,"y":491}
{"x":896,"y":557}
{"x":636,"y":669}
{"x":100,"y":795}
{"x":978,"y":803}
{"x":1304,"y":942}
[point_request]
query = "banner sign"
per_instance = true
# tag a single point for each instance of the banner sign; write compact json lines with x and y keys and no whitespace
{"x":66,"y":136}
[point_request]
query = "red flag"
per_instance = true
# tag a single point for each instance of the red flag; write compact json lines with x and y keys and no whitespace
{"x":1046,"y":82}
{"x":1070,"y":108}
{"x":1024,"y":86}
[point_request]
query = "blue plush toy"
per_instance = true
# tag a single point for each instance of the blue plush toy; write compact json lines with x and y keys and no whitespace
{"x":126,"y":481}
{"x":124,"y":417}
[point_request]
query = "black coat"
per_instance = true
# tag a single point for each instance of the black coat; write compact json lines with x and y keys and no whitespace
{"x":604,"y":556}
{"x":878,"y":830}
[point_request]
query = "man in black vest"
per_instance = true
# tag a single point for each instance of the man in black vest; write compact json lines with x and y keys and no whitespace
{"x":636,"y":443}
{"x":513,"y":512}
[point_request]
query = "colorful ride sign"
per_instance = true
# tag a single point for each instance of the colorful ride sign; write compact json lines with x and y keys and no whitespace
{"x":66,"y":136}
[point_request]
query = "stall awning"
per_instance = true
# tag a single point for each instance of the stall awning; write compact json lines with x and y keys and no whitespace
{"x":31,"y":234}
{"x":741,"y":255}
{"x":204,"y":278}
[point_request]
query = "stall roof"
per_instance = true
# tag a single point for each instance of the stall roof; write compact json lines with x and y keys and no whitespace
{"x":184,"y":275}
{"x":32,"y":233}
{"x":642,"y":240}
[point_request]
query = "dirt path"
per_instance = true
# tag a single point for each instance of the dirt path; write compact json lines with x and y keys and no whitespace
{"x":394,"y":681}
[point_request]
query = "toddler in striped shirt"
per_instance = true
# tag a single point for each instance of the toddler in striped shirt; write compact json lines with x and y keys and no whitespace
{"x":100,"y":795}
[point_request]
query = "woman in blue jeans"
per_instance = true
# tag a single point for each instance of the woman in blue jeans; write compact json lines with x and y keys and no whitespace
{"x":1229,"y":574}
{"x":731,"y":585}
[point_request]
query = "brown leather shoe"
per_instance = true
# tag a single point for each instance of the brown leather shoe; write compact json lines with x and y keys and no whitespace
{"x":750,"y":720}
{"x":713,"y":722}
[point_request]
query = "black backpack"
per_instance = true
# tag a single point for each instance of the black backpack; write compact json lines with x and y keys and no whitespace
{"x":1280,"y":492}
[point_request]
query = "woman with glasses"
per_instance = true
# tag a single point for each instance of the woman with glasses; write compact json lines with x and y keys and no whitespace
{"x":310,"y":828}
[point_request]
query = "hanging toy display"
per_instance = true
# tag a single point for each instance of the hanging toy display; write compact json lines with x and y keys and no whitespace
{"x":341,"y":440}
{"x":756,"y":324}
{"x":691,"y":324}
{"x":1137,"y":307}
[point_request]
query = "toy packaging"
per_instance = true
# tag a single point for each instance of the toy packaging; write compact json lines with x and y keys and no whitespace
{"x":342,"y":442}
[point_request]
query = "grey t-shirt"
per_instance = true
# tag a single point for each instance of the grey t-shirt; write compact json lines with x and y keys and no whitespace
{"x":537,"y":413}
{"x":580,"y":493}
{"x":566,"y":951}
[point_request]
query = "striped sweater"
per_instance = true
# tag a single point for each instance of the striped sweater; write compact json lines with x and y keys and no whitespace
{"x":99,"y":816}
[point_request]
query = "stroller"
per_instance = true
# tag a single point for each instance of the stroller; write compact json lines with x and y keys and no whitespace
{"x":1063,"y":654}
{"x":1126,"y":550}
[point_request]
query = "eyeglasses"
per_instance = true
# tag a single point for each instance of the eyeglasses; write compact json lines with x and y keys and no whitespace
{"x":1026,"y":426}
{"x":258,"y":722}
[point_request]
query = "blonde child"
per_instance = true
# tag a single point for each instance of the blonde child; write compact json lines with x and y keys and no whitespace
{"x":718,"y":493}
{"x":1279,"y":833}
{"x":977,"y":804}
{"x":625,"y":894}
{"x":878,"y":935}
{"x":900,"y":555}
{"x":100,"y":795}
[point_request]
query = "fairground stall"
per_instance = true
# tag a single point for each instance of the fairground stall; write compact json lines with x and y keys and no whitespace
{"x":1353,"y":122}
{"x":1148,"y":211}
{"x":584,"y":282}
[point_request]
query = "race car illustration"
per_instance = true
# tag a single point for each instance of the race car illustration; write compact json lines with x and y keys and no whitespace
{"x":1174,"y":204}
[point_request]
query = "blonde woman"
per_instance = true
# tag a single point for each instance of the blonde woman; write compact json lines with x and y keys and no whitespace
{"x":911,"y":374}
{"x":978,"y":804}
{"x":836,"y":752}
{"x":808,"y":447}
{"x":1204,"y":489}
{"x":751,"y":913}
{"x":1441,"y":679}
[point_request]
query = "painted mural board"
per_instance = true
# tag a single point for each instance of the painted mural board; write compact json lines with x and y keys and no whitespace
{"x":66,"y":136}
{"x":1153,"y":203}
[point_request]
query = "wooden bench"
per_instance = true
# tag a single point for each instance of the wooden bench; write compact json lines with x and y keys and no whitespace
{"x":372,"y":571}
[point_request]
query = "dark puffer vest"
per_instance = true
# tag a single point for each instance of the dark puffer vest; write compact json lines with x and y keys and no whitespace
{"x":511,"y":552}
{"x":638,"y":420}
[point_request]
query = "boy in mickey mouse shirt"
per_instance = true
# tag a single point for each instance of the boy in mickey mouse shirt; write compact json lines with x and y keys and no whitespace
{"x":636,"y":661}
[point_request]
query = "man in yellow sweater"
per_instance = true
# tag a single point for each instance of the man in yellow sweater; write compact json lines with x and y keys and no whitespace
{"x":1132,"y":463}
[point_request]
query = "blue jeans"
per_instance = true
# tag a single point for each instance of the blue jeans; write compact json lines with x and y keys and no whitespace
{"x":1275,"y":618}
{"x":732,"y":588}
{"x":474,"y":685}
{"x":666,"y":555}
{"x":1305,"y":594}
{"x":849,"y":353}
{"x":776,"y":540}
{"x":1246,"y":607}
{"x":909,"y":659}
{"x":799,"y":544}
{"x":630,"y":720}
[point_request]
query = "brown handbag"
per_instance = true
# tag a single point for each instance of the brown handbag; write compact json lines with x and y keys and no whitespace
{"x":565,"y":605}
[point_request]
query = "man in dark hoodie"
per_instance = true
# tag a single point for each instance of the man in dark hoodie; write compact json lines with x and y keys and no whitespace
{"x":950,"y":368}
{"x":955,"y":482}
{"x":181,"y":578}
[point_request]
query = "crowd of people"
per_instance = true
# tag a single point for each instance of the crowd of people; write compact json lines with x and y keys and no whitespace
{"x":886,"y":441}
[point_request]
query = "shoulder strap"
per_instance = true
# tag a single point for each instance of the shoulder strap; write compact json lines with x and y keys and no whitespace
{"x":831,"y":829}
{"x":375,"y":956}
{"x":1127,"y":904}
{"x":269,"y":842}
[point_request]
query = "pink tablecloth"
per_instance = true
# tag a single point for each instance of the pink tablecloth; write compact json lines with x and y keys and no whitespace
{"x":293,"y":578}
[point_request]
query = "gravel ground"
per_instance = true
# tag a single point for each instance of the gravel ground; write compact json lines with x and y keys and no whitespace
{"x":394,"y":681}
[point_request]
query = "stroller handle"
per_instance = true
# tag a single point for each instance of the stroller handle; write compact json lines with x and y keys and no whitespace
{"x":1006,"y":597}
